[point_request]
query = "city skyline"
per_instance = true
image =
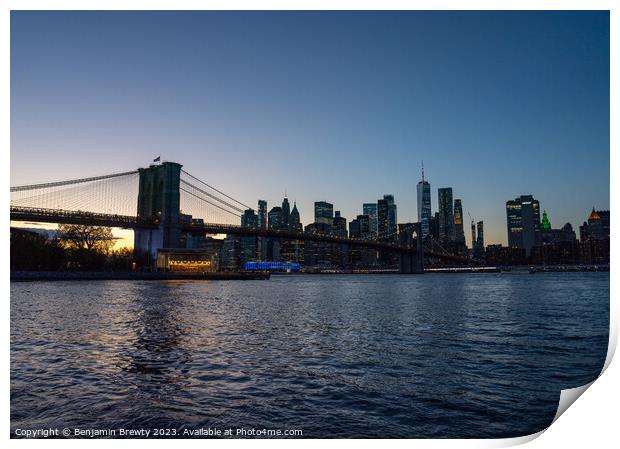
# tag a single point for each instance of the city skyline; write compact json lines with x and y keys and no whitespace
{"x":518,"y":112}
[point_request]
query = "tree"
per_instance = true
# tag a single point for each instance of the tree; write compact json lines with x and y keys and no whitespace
{"x":84,"y":237}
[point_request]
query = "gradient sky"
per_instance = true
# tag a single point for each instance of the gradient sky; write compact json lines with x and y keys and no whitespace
{"x":336,"y":106}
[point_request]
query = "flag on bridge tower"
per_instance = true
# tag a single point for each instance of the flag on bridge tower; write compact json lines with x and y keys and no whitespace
{"x":157,"y":159}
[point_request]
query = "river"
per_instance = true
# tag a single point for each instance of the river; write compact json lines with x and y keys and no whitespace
{"x":394,"y":356}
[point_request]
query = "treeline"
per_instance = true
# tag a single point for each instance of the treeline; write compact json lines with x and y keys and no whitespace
{"x":33,"y":252}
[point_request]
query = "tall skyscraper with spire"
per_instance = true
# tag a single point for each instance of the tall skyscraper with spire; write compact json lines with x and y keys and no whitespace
{"x":424,"y":204}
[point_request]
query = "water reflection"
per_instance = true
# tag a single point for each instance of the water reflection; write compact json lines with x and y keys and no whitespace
{"x":461,"y":355}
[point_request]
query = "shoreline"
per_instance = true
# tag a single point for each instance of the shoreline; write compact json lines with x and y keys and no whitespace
{"x":24,"y":276}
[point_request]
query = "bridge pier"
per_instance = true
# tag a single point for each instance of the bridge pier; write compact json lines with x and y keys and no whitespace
{"x":412,"y":263}
{"x":159,"y":200}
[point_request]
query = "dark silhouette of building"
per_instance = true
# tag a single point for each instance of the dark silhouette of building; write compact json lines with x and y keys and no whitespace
{"x":523,"y":222}
{"x":595,"y":238}
{"x":323,"y":213}
{"x":459,"y":232}
{"x":446,"y":215}
{"x":275,"y":222}
{"x":424,"y":205}
{"x":248,"y":243}
{"x":479,"y":246}
{"x":498,"y":255}
{"x":370,"y":209}
{"x":262,"y":224}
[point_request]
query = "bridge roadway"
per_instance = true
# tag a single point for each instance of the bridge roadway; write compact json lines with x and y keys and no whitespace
{"x":39,"y":215}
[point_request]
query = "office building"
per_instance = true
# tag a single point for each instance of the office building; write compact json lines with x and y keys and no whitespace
{"x":424,"y":205}
{"x":446,"y":214}
{"x":248,"y":243}
{"x":370,"y":209}
{"x":323,"y":213}
{"x":523,"y":223}
{"x":459,"y":232}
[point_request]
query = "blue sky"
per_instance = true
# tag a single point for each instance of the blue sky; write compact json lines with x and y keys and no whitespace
{"x":337,"y":106}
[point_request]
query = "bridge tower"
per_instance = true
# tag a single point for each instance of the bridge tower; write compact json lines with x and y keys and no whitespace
{"x":412,"y":263}
{"x":159,"y":200}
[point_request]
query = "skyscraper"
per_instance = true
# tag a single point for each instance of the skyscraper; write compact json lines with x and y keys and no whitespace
{"x":523,"y":223}
{"x":340,"y":225}
{"x":370,"y":209}
{"x":479,"y":246}
{"x":286,"y":212}
{"x":459,"y":233}
{"x":382,"y":218}
{"x":275,"y":222}
{"x":248,"y":243}
{"x":446,"y":214}
{"x":323,"y":212}
{"x":424,"y":205}
{"x":392,"y":217}
{"x":294,"y":220}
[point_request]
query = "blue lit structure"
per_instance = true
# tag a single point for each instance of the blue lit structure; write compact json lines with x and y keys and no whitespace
{"x":272,"y":266}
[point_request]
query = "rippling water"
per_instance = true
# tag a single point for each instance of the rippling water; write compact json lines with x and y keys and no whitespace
{"x":438,"y":355}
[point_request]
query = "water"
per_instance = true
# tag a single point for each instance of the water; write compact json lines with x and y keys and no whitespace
{"x":438,"y":355}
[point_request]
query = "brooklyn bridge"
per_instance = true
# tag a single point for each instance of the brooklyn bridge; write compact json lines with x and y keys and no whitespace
{"x":162,"y":202}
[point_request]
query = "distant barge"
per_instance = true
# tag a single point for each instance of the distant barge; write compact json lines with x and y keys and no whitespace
{"x":17,"y":276}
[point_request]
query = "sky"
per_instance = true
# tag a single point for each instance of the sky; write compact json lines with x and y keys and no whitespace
{"x":335,"y":106}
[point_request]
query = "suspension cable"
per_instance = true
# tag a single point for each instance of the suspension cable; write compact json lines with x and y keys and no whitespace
{"x":213,"y":188}
{"x":73,"y":181}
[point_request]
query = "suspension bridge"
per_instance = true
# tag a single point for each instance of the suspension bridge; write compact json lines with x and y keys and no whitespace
{"x":172,"y":202}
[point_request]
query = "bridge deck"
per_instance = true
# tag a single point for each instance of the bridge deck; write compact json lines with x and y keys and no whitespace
{"x":132,"y":222}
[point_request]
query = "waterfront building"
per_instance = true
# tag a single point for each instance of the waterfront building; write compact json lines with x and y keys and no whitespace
{"x":187,"y":260}
{"x":230,"y":256}
{"x":459,"y":233}
{"x":473,"y":236}
{"x":498,"y":255}
{"x":424,"y":205}
{"x":596,"y":227}
{"x":318,"y":254}
{"x":370,"y":209}
{"x":551,"y":236}
{"x":274,"y":222}
{"x":446,"y":214}
{"x":340,"y":251}
{"x":248,"y":243}
{"x":523,"y":222}
{"x":360,"y":228}
{"x":595,"y":238}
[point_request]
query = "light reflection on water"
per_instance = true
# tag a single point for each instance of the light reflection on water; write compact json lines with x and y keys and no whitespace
{"x":439,"y":355}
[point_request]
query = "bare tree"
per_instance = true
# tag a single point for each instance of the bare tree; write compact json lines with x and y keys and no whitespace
{"x":96,"y":238}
